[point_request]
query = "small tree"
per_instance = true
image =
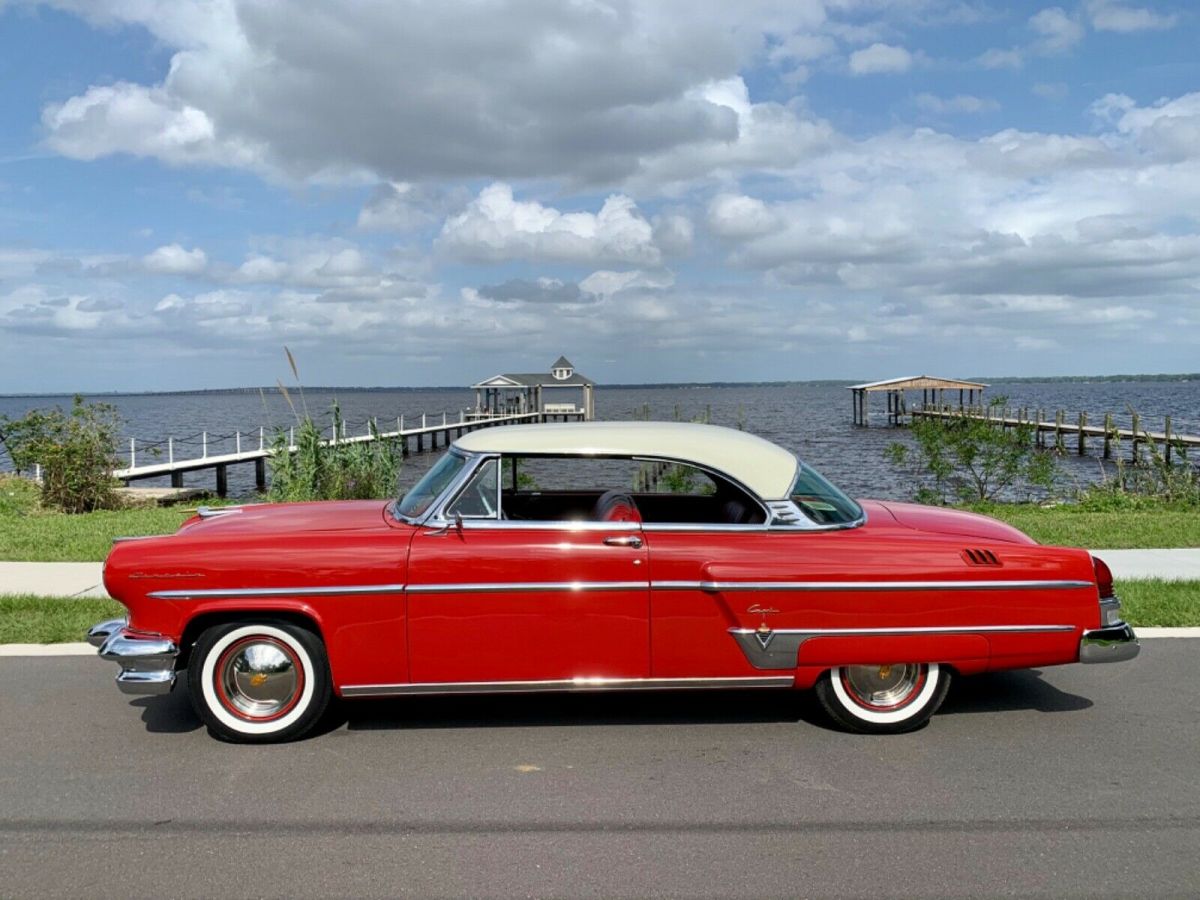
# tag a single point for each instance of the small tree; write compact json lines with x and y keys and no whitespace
{"x":972,"y":460}
{"x":76,"y":451}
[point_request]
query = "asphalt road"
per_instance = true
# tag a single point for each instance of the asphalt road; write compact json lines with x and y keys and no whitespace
{"x":1076,"y":781}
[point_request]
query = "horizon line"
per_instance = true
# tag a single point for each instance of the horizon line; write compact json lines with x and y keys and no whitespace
{"x":992,"y":379}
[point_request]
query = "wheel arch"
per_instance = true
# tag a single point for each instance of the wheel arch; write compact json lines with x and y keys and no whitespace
{"x":202,"y":621}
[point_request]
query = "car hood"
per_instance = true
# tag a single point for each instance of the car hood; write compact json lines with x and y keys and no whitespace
{"x":289,"y":518}
{"x":936,"y":520}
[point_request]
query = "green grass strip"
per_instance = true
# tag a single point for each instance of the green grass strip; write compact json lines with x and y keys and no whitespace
{"x":1167,"y":604}
{"x":27,"y":619}
{"x":57,"y":537}
{"x":49,"y":620}
{"x":1072,"y":526}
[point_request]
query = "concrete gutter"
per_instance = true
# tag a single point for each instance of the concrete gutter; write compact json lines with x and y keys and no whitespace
{"x":57,"y":579}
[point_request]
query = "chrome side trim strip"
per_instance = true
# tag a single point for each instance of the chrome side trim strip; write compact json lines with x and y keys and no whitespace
{"x":512,"y":587}
{"x":333,"y":590}
{"x":723,"y":586}
{"x":565,"y":684}
{"x":778,"y":649}
{"x":500,"y":587}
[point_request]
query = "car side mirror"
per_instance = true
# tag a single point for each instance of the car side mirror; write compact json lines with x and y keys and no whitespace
{"x":458,"y":523}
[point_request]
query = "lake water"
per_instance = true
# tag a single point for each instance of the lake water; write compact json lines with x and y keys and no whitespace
{"x":812,"y":420}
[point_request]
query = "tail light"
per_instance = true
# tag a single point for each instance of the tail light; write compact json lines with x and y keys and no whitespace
{"x":1104,"y":578}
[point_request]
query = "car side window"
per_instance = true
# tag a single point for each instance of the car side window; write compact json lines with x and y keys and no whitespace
{"x":611,"y":489}
{"x":480,"y":498}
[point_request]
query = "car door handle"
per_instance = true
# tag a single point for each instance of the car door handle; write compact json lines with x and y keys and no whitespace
{"x":625,"y":540}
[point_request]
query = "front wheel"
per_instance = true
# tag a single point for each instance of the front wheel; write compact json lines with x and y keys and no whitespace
{"x":883,"y":699}
{"x":259,"y":682}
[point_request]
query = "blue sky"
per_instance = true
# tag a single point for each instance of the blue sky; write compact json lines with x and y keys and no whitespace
{"x":425,"y":193}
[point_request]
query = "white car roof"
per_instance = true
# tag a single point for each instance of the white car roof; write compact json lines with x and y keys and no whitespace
{"x":765,"y":468}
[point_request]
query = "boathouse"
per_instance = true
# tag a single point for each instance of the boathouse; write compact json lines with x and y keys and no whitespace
{"x":560,"y":392}
{"x":932,"y":390}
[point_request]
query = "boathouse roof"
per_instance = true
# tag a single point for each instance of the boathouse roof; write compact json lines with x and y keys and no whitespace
{"x":918,"y":382}
{"x":561,"y":374}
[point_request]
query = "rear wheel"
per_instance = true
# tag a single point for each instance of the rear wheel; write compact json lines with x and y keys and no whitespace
{"x":259,"y":682}
{"x":883,"y":699}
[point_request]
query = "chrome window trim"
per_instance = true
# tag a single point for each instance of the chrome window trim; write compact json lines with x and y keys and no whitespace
{"x":711,"y":472}
{"x":580,"y":525}
{"x":706,"y":527}
{"x":583,"y":683}
{"x":483,"y":461}
{"x":440,"y":519}
{"x":450,"y":490}
{"x":329,"y":591}
{"x":722,"y":586}
{"x":854,"y":523}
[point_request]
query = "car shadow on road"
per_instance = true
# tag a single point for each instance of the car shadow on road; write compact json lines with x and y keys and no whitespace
{"x":172,"y":714}
{"x":994,"y":692}
{"x":1020,"y":689}
{"x":558,"y":710}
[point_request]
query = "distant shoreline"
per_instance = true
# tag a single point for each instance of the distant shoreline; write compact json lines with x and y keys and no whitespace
{"x":834,"y":382}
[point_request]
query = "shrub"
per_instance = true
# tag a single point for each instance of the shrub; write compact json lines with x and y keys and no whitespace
{"x":332,"y":469}
{"x":1151,"y":483}
{"x":972,"y":460}
{"x":76,"y":450}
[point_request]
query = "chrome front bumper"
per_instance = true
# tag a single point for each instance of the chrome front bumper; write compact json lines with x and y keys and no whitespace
{"x":1112,"y":643}
{"x":147,"y":661}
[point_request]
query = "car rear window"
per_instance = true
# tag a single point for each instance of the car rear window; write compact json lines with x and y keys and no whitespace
{"x":821,"y":501}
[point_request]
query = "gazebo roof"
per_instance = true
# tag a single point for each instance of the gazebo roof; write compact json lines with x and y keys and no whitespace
{"x":918,"y":382}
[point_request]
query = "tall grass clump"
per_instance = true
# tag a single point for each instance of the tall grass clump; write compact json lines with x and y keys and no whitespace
{"x":321,"y":468}
{"x":1151,"y":481}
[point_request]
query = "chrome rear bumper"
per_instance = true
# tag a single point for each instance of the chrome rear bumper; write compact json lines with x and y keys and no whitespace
{"x":147,"y":661}
{"x":1112,"y":643}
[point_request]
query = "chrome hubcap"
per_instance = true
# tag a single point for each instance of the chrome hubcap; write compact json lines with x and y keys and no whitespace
{"x":259,"y":678}
{"x":883,"y":686}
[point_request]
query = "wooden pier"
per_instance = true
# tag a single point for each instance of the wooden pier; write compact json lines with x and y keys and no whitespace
{"x":1060,"y":433}
{"x":413,"y":440}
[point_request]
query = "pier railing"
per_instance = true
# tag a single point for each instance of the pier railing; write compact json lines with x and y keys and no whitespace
{"x":414,"y":436}
{"x":1063,"y":430}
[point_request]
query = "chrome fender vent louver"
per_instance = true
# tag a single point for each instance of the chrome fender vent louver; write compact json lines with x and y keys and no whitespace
{"x":977,"y":557}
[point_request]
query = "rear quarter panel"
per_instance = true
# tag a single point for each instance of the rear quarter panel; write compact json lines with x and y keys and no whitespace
{"x":690,"y":628}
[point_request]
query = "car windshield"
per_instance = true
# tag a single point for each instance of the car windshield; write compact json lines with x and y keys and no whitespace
{"x":821,"y":501}
{"x":416,"y":502}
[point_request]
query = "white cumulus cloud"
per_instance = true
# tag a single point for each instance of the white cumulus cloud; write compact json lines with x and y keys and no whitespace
{"x":496,"y":227}
{"x":880,"y":58}
{"x":172,"y":259}
{"x":1107,"y":15}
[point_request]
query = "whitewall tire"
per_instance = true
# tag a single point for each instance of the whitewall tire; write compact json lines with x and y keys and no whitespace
{"x":883,"y":699}
{"x":259,"y":682}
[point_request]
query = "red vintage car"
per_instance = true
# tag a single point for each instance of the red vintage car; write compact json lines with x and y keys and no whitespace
{"x":597,"y":556}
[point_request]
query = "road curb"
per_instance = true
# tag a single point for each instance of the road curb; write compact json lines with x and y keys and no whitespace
{"x":83,"y":649}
